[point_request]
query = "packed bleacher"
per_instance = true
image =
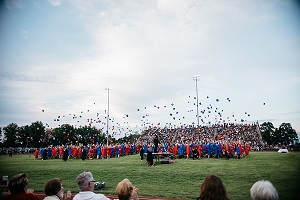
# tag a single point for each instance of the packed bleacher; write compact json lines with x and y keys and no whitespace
{"x":229,"y":140}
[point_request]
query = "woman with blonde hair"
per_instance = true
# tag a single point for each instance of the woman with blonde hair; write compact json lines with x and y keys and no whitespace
{"x":213,"y":188}
{"x":126,"y":191}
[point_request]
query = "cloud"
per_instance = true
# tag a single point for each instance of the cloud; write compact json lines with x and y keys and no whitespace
{"x":24,"y":34}
{"x":147,"y":52}
{"x":55,"y":2}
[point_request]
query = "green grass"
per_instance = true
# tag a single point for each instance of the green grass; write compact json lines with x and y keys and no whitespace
{"x":180,"y":180}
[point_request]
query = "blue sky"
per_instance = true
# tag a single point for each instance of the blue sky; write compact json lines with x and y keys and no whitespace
{"x":59,"y":56}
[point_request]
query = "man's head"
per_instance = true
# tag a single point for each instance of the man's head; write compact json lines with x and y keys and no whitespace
{"x":85,"y":181}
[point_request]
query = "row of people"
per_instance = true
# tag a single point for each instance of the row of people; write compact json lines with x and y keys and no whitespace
{"x":190,"y":150}
{"x":212,"y":188}
{"x":17,"y":189}
{"x":92,"y":151}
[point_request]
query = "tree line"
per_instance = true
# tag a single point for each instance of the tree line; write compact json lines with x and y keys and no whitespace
{"x":283,"y":135}
{"x":36,"y":135}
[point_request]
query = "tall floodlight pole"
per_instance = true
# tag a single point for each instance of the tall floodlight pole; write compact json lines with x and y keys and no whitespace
{"x":196,"y":78}
{"x":107,"y":117}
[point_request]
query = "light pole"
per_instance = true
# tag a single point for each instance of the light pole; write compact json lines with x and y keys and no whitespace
{"x":196,"y":78}
{"x":107,"y":114}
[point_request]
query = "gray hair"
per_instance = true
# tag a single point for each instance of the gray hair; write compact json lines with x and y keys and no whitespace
{"x":263,"y":190}
{"x":83,"y":180}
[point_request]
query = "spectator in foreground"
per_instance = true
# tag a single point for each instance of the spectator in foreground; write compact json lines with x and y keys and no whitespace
{"x":86,"y":185}
{"x":17,"y":187}
{"x":54,"y":190}
{"x":213,"y":188}
{"x":126,"y":191}
{"x":263,"y":190}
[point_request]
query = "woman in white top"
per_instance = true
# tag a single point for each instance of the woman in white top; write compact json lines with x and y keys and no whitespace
{"x":54,"y":190}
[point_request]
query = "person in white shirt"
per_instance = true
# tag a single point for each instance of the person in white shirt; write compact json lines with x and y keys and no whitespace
{"x":55,"y":191}
{"x":86,"y":183}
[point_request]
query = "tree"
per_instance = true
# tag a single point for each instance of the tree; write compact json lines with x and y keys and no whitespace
{"x":267,"y":130}
{"x":286,"y":134}
{"x":63,"y":135}
{"x":37,"y":133}
{"x":24,"y":135}
{"x":1,"y":137}
{"x":10,"y":132}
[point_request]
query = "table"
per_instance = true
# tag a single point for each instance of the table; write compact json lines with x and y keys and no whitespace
{"x":161,"y":154}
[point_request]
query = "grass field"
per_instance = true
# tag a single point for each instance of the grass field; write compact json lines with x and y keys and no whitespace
{"x":180,"y":180}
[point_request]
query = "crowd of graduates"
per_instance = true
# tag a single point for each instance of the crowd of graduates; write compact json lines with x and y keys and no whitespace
{"x":227,"y":140}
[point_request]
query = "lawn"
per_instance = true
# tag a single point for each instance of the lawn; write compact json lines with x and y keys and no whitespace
{"x":180,"y":180}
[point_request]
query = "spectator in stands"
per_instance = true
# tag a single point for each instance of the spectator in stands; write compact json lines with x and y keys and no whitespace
{"x":213,"y":188}
{"x":17,"y":187}
{"x":263,"y":190}
{"x":86,"y":183}
{"x":126,"y":191}
{"x":54,"y":190}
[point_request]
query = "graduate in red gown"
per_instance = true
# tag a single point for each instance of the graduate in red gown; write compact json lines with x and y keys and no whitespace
{"x":36,"y":154}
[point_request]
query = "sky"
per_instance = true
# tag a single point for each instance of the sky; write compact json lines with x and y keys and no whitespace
{"x":58,"y":58}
